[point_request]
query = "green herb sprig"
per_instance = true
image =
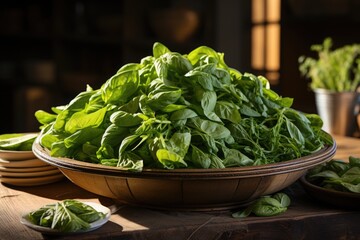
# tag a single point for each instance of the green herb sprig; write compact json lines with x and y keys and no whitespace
{"x":337,"y":70}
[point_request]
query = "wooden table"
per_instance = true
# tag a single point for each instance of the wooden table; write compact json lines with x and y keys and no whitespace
{"x":305,"y":218}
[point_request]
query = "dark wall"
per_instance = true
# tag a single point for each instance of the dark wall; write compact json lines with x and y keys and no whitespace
{"x":88,"y":43}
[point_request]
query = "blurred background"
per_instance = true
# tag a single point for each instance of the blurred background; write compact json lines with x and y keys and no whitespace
{"x":50,"y":49}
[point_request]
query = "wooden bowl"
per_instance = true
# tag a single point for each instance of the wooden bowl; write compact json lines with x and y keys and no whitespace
{"x":331,"y":197}
{"x":186,"y":189}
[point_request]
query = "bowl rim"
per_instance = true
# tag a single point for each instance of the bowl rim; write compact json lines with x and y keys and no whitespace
{"x":313,"y":187}
{"x":298,"y":164}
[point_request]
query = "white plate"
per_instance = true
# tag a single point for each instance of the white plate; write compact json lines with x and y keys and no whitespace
{"x":27,"y":169}
{"x":32,"y":181}
{"x":16,"y":155}
{"x":95,"y":225}
{"x":29,"y":174}
{"x":23,"y":163}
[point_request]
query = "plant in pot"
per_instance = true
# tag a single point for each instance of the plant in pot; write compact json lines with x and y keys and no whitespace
{"x":335,"y":78}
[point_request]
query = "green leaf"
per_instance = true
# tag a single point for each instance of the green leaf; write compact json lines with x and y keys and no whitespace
{"x":208,"y":103}
{"x":267,"y":210}
{"x":160,"y":100}
{"x":82,"y":119}
{"x":283,"y":199}
{"x":114,"y":134}
{"x":195,"y":56}
{"x":13,"y":141}
{"x":352,"y":175}
{"x":266,"y":206}
{"x":199,"y":158}
{"x":45,"y":117}
{"x":179,"y":143}
{"x":216,"y":162}
{"x":130,"y":161}
{"x":124,"y":119}
{"x":170,"y":160}
{"x":325,"y":174}
{"x":249,"y":111}
{"x":58,"y":149}
{"x":159,"y":50}
{"x":354,"y":161}
{"x":213,"y":129}
{"x":172,"y":65}
{"x":129,"y":67}
{"x":82,"y":136}
{"x":173,"y":107}
{"x":182,"y":114}
{"x":244,"y":213}
{"x":227,"y":111}
{"x":80,"y":101}
{"x":355,"y":188}
{"x":295,"y":132}
{"x":120,"y":87}
{"x":235,"y":158}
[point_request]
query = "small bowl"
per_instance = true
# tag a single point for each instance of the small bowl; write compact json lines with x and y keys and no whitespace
{"x":340,"y":199}
{"x":186,"y":189}
{"x":49,"y":231}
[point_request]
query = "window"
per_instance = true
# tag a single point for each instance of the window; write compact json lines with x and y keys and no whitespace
{"x":265,"y":38}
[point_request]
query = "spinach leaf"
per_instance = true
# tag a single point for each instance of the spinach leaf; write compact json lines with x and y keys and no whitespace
{"x":337,"y":175}
{"x":170,"y":160}
{"x":44,"y":117}
{"x":124,"y":119}
{"x":17,"y":141}
{"x":266,"y":206}
{"x":120,"y":87}
{"x":199,"y":158}
{"x":82,"y":136}
{"x":233,"y":157}
{"x":160,"y":100}
{"x":215,"y":130}
{"x":182,"y":114}
{"x":81,"y":120}
{"x":228,"y":111}
{"x":208,"y":103}
{"x":159,"y":50}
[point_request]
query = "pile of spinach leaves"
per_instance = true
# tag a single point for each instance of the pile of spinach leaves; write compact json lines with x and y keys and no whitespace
{"x":180,"y":111}
{"x":67,"y":216}
{"x":17,"y":141}
{"x":337,"y":175}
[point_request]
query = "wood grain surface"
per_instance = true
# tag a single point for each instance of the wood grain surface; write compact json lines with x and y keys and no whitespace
{"x":347,"y":146}
{"x":305,"y":218}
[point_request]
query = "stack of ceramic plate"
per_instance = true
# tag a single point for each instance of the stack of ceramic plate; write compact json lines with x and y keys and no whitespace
{"x":22,"y":168}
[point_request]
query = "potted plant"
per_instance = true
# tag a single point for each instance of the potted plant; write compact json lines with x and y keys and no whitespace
{"x":335,"y":78}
